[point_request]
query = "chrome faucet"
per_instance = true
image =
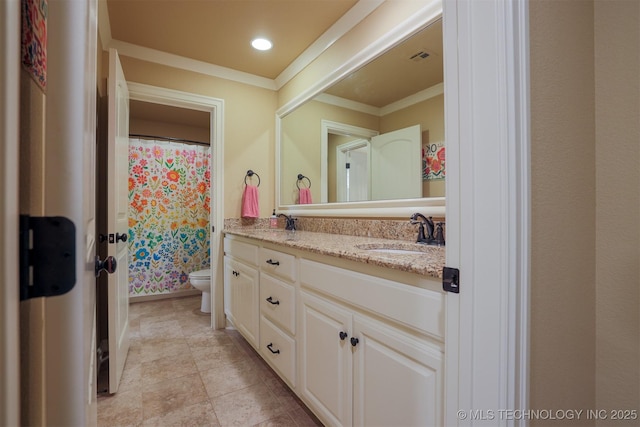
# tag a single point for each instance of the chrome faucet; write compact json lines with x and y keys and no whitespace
{"x":427,"y":237}
{"x":290,"y":222}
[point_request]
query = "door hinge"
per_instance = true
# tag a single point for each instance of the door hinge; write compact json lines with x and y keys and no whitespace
{"x":47,"y":256}
{"x":451,"y":280}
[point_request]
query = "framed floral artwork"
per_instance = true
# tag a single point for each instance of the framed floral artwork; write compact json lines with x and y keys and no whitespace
{"x":433,"y":159}
{"x":34,"y":40}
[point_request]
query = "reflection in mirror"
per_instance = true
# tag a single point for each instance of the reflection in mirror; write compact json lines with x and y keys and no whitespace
{"x":376,"y":135}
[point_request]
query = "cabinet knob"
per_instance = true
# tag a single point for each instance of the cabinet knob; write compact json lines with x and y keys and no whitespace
{"x":343,"y":335}
{"x":354,"y":341}
{"x":271,"y":301}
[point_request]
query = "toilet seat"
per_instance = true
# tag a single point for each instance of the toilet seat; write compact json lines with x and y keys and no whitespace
{"x":200,"y":274}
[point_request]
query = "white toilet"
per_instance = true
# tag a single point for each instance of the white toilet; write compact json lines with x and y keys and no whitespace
{"x":201,"y":280}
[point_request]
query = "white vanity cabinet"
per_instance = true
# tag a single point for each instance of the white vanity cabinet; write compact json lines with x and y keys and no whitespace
{"x":362,"y":367}
{"x":241,"y":288}
{"x":358,"y":348}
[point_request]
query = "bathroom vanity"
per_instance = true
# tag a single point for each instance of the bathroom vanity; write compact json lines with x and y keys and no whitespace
{"x":354,"y":325}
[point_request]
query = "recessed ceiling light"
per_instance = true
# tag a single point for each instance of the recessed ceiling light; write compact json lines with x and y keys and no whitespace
{"x":261,"y":44}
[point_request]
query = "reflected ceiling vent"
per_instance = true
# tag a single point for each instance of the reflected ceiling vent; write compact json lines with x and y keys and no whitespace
{"x":419,"y":56}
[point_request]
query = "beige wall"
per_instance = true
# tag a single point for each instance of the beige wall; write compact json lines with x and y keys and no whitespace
{"x":617,"y":123}
{"x":171,"y":130}
{"x":249,"y":126}
{"x":585,"y":336}
{"x":563,"y":201}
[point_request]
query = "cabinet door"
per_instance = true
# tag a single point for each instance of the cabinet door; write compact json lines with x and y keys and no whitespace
{"x":326,"y":359}
{"x":243,"y":291}
{"x":397,"y":377}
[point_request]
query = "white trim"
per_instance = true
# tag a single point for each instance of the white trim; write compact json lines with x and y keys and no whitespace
{"x":169,"y":295}
{"x":423,"y":95}
{"x":349,"y":20}
{"x":176,"y":61}
{"x":410,"y":100}
{"x":69,"y":190}
{"x":104,"y":26}
{"x":520,"y":201}
{"x":325,"y":98}
{"x":9,"y":132}
{"x":215,"y":107}
{"x":433,"y":206}
{"x":488,"y":222}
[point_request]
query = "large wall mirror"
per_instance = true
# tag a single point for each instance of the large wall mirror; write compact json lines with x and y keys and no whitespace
{"x":372,"y":143}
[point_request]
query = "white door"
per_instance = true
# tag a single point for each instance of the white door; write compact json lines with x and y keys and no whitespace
{"x":352,"y":168}
{"x":245,"y":294}
{"x":393,"y":367}
{"x":67,"y":394}
{"x":396,"y":164}
{"x":326,"y":359}
{"x":117,"y":219}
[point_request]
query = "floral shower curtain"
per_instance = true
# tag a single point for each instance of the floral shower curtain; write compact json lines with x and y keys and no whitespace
{"x":168,"y":215}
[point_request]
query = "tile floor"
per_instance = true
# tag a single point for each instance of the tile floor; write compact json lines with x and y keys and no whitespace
{"x":180,"y":372}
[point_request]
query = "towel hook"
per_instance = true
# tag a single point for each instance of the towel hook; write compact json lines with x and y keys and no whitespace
{"x":300,"y":178}
{"x":250,"y":173}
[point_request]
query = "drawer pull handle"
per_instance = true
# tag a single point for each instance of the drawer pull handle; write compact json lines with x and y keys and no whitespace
{"x":343,"y":335}
{"x":354,"y":341}
{"x":270,"y":347}
{"x":271,"y":301}
{"x":235,"y":273}
{"x":272,"y":262}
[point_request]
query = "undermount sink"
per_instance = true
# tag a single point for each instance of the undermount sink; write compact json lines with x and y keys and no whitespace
{"x":393,"y":248}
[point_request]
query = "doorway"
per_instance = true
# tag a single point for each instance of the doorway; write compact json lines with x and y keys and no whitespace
{"x":352,"y":171}
{"x":199,"y":120}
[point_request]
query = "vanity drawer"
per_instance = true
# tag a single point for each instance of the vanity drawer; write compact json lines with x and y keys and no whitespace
{"x":278,"y":264}
{"x":277,"y":302}
{"x":241,"y":250}
{"x":278,"y":349}
{"x":417,"y":308}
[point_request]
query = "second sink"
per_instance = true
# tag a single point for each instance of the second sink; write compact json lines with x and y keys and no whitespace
{"x":398,"y":248}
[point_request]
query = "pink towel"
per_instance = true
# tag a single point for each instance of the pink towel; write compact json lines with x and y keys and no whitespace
{"x":305,"y":196}
{"x":250,"y":202}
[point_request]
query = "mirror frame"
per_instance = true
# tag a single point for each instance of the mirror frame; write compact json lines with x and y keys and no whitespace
{"x":434,"y":206}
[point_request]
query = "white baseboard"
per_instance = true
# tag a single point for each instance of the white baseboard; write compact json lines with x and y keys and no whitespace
{"x":156,"y":297}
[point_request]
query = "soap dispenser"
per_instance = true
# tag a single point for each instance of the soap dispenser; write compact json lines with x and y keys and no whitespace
{"x":273,"y":221}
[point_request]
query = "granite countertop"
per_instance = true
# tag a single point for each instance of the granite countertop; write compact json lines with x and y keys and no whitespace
{"x":428,"y":261}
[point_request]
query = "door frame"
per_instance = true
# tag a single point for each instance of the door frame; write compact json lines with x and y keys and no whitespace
{"x":330,"y":127}
{"x":487,"y":119}
{"x":215,"y":108}
{"x":9,"y":133}
{"x":341,"y":156}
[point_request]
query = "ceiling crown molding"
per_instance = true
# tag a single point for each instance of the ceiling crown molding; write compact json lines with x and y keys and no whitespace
{"x":177,"y":61}
{"x":342,"y":26}
{"x":349,"y":20}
